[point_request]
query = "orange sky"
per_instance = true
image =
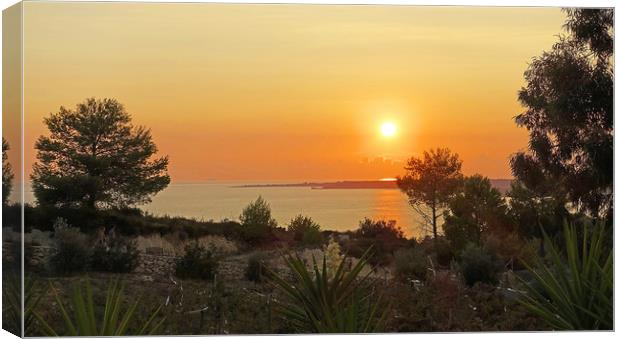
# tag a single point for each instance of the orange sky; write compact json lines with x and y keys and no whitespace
{"x":291,"y":92}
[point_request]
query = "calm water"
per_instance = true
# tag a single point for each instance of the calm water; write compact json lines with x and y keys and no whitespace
{"x":333,"y":209}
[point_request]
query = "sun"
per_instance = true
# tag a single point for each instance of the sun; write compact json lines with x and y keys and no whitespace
{"x":388,"y":129}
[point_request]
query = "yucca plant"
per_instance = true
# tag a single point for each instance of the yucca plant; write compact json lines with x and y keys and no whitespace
{"x":575,"y":291}
{"x":12,"y":306}
{"x":320,"y":302}
{"x":81,"y":318}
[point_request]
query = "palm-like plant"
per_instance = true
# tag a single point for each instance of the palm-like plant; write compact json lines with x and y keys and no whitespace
{"x":83,"y":321}
{"x":12,"y":306}
{"x":342,"y":302}
{"x":576,"y":291}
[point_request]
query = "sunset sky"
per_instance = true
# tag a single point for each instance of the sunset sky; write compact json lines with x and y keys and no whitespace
{"x":292,"y":92}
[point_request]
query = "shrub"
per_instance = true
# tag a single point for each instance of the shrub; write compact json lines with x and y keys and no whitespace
{"x":581,"y":296}
{"x":12,"y":312}
{"x":12,"y":217}
{"x":174,"y":243}
{"x":410,"y":263}
{"x":73,"y":249}
{"x":220,"y":244}
{"x":440,"y":250}
{"x":509,"y":248}
{"x":344,"y":303}
{"x":444,"y":285}
{"x":257,"y":225}
{"x":529,"y":254}
{"x":127,"y":221}
{"x":355,"y":247}
{"x":115,"y":254}
{"x":305,"y":231}
{"x":197,"y":263}
{"x":478,"y":264}
{"x":443,"y":252}
{"x":369,"y":228}
{"x":13,"y":252}
{"x":44,"y":217}
{"x":255,"y":270}
{"x":312,"y":238}
{"x":459,"y":233}
{"x":383,"y":236}
{"x":473,"y":212}
{"x":87,"y":317}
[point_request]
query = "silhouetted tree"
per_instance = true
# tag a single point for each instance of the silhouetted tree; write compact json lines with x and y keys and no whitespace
{"x":256,"y":222}
{"x":7,"y":173}
{"x":478,"y":209}
{"x":430,"y":182}
{"x":569,"y":114}
{"x":594,"y":27}
{"x":94,"y":157}
{"x":533,"y":210}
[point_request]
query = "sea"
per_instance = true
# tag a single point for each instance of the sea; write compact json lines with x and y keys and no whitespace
{"x":333,"y":209}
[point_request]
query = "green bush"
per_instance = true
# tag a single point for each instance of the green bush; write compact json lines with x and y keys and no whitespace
{"x":509,"y":248}
{"x":384,"y":237}
{"x":410,"y":263}
{"x":257,"y":225}
{"x":115,"y":254}
{"x":256,"y":268}
{"x":459,"y":232}
{"x":479,"y":265}
{"x":198,"y":262}
{"x":440,"y":250}
{"x":305,"y":231}
{"x":73,"y":249}
{"x":477,"y":210}
{"x":129,"y":222}
{"x":313,"y":238}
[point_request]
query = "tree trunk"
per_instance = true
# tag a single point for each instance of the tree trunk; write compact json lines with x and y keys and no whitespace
{"x":434,"y":210}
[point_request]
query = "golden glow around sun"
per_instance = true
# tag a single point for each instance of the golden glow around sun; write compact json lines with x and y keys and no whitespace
{"x":388,"y":129}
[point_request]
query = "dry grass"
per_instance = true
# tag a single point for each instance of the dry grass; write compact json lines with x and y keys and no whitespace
{"x":173,"y":245}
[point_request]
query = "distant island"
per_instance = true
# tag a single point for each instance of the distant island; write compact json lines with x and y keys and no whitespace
{"x":502,"y":185}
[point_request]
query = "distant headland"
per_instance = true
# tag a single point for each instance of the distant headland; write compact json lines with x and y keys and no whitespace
{"x":501,"y":184}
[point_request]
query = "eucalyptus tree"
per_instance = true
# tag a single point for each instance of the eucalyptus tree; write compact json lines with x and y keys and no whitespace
{"x":568,"y":100}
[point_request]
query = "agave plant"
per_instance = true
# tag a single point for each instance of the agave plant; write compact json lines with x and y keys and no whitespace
{"x":83,"y":320}
{"x":320,"y":302}
{"x":576,"y":291}
{"x":12,"y":306}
